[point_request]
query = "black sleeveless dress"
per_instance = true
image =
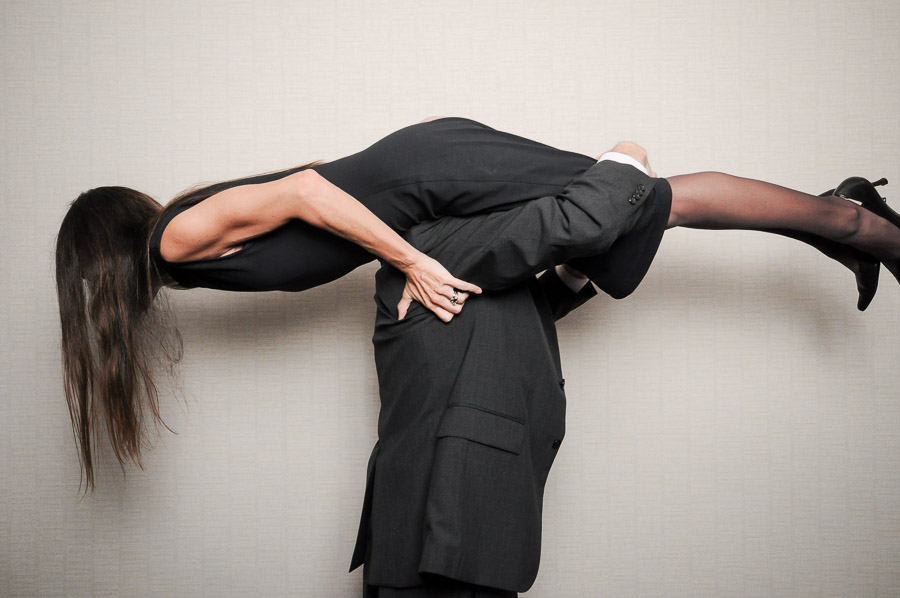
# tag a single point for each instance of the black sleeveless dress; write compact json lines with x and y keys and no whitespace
{"x":446,"y":167}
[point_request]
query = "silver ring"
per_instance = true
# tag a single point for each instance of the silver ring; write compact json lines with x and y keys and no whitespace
{"x":455,"y":298}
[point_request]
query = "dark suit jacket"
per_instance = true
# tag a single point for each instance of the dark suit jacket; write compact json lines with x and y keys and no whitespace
{"x":473,"y":411}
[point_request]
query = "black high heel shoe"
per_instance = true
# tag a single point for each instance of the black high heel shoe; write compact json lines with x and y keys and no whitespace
{"x":860,"y":190}
{"x":867,"y":273}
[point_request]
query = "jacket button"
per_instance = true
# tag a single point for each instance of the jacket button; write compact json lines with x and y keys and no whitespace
{"x":556,"y":444}
{"x":562,"y":382}
{"x":632,"y":201}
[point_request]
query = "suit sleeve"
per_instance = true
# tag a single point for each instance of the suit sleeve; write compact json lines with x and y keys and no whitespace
{"x":501,"y":249}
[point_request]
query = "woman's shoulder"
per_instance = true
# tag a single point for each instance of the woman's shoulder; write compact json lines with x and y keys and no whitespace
{"x":168,"y":214}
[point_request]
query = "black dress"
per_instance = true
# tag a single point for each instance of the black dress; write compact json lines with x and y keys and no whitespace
{"x":446,"y":167}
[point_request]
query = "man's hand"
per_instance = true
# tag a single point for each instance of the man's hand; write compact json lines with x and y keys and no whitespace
{"x":630,"y":148}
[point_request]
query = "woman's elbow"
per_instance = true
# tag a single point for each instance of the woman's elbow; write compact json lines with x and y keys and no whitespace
{"x":306,"y":183}
{"x":308,"y":191}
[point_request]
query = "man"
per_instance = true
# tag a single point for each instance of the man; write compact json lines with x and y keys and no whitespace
{"x":473,"y":411}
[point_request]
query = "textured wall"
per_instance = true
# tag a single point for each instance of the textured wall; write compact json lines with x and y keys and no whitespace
{"x":734,"y":427}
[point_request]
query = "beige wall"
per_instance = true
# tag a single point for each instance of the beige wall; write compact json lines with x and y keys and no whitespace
{"x":734,"y":427}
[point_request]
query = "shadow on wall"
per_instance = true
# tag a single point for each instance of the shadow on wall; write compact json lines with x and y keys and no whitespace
{"x":338,"y":308}
{"x":712,"y":290}
{"x":753,"y":292}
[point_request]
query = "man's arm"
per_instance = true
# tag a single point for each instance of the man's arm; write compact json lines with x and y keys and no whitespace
{"x":498,"y":250}
{"x":562,"y":291}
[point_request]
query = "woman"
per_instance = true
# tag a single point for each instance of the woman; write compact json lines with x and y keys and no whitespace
{"x":117,"y":246}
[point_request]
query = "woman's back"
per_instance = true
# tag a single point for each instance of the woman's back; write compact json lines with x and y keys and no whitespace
{"x":450,"y":166}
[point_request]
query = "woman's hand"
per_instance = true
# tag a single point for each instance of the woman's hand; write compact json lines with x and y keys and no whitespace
{"x":429,"y":283}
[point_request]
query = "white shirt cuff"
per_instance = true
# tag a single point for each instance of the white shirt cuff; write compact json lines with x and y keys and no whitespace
{"x":574,"y":283}
{"x":623,"y":159}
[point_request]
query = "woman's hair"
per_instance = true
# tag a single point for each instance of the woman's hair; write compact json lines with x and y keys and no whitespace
{"x":115,"y":337}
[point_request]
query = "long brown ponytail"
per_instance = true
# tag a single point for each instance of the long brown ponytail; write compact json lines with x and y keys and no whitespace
{"x":114,"y":336}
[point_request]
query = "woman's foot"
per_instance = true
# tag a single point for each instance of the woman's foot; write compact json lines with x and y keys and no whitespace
{"x":865,"y":267}
{"x":863,"y":192}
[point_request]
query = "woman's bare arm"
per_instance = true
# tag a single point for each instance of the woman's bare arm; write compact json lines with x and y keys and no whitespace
{"x":231,"y":217}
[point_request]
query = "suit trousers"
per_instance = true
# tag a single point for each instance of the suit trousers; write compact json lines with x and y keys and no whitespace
{"x":437,"y":587}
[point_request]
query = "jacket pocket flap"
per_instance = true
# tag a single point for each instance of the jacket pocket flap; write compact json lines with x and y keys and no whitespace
{"x":483,"y":427}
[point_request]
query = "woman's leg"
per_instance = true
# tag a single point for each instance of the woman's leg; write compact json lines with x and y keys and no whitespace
{"x":714,"y":200}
